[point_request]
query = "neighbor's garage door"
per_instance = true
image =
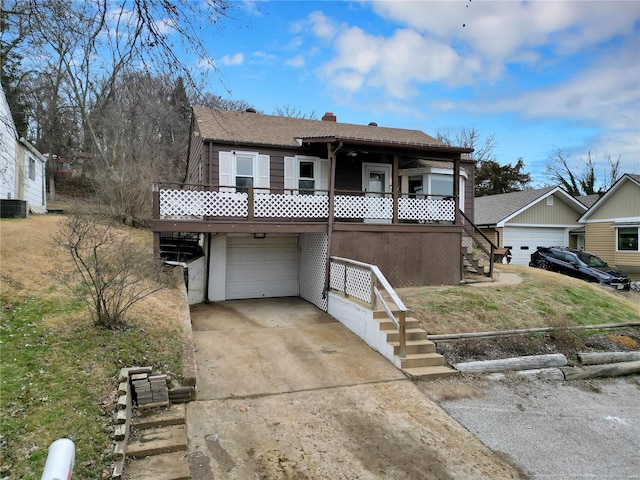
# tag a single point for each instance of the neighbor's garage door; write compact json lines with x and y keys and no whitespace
{"x":524,"y":241}
{"x":262,"y":267}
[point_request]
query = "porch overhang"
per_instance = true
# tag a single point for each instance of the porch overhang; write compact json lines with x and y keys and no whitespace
{"x":442,"y":151}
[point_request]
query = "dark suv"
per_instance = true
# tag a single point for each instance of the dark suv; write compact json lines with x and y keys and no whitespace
{"x":578,"y":264}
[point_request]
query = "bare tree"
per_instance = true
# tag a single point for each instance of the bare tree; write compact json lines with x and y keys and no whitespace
{"x":111,"y":272}
{"x":294,"y":112}
{"x":580,"y":178}
{"x":214,"y":101}
{"x":470,"y":138}
{"x":146,"y":128}
{"x":84,"y":50}
{"x":491,"y":177}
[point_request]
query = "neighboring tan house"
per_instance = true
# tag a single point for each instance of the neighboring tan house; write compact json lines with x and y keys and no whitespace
{"x":523,"y":221}
{"x":269,"y":199}
{"x":612,"y":226}
{"x":22,"y":170}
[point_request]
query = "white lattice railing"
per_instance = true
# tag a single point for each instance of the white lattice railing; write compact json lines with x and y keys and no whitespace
{"x":366,"y":283}
{"x":176,"y":204}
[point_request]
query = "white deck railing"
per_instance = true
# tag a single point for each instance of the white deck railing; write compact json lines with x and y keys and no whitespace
{"x":263,"y":204}
{"x":367,"y":283}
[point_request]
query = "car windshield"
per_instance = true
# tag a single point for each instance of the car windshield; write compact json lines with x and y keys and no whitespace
{"x":591,"y":260}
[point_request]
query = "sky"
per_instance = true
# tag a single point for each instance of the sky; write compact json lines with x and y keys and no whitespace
{"x":538,"y":75}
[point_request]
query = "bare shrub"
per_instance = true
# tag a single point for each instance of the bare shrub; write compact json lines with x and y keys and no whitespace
{"x":112,"y":272}
{"x":567,"y":341}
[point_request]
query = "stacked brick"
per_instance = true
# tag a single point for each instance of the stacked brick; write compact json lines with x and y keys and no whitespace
{"x":149,"y":389}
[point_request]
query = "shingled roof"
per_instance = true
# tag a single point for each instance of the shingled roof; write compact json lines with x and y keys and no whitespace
{"x":492,"y":209}
{"x":259,"y":129}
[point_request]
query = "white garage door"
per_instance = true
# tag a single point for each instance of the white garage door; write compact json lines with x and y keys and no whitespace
{"x":524,"y":241}
{"x":262,"y":267}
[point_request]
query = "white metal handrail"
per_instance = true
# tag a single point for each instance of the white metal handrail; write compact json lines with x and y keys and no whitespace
{"x":376,"y":279}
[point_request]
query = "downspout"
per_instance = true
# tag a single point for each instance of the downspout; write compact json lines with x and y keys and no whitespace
{"x":332,"y":181}
{"x":208,"y":270}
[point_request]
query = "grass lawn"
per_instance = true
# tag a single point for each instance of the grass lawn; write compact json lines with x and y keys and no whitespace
{"x":543,"y":299}
{"x":59,"y":373}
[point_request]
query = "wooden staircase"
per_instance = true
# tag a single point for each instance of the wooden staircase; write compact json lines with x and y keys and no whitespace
{"x":421,"y":360}
{"x":472,"y":262}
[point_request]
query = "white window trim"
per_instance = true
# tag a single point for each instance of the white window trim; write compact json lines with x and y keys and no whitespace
{"x":260,"y":170}
{"x":426,"y":173}
{"x":292,"y":178}
{"x":31,"y":168}
{"x":617,"y":237}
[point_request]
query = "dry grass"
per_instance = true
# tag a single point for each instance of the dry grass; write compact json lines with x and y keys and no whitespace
{"x":543,"y":299}
{"x":59,"y":372}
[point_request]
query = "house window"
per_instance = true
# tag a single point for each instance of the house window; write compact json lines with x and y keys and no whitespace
{"x":244,"y":173}
{"x":32,"y":168}
{"x":415,"y":185}
{"x":628,"y":239}
{"x":441,"y":185}
{"x":305,"y":175}
{"x":306,"y":178}
{"x":550,"y":201}
{"x":241,"y":170}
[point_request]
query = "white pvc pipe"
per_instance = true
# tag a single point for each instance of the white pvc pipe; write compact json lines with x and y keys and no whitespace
{"x":60,"y":460}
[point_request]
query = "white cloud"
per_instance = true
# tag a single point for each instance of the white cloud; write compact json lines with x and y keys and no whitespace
{"x":321,"y":26}
{"x":206,"y":63}
{"x":164,"y":26}
{"x":397,"y":63}
{"x":265,"y":57}
{"x":502,"y":30}
{"x":605,"y":94}
{"x":296,"y":62}
{"x":235,"y":59}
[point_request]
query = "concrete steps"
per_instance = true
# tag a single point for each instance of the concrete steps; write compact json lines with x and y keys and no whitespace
{"x":421,"y":360}
{"x":157,"y":446}
{"x":429,"y":373}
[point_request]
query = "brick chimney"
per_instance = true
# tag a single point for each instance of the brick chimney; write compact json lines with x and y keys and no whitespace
{"x":329,"y":117}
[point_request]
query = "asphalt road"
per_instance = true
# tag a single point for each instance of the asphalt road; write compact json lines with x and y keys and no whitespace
{"x":558,"y":430}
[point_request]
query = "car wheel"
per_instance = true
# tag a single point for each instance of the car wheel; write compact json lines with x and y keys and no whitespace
{"x":545,"y":265}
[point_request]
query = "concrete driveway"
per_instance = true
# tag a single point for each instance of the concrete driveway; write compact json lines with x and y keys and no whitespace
{"x":286,"y":392}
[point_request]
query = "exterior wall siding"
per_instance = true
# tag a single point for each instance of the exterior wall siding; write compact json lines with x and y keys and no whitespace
{"x":469,"y":193}
{"x":624,"y":202}
{"x":195,"y":156}
{"x":34,"y":188}
{"x":560,"y":213}
{"x":493,"y":234}
{"x":600,"y":239}
{"x":7,"y":151}
{"x":431,"y":258}
{"x":629,"y":263}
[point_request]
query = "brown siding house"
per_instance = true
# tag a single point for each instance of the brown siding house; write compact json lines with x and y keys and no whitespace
{"x":272,"y":199}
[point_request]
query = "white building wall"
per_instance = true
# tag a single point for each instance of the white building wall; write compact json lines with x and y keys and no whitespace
{"x":218,"y":268}
{"x":360,"y":321}
{"x":197,"y":277}
{"x":33,"y":189}
{"x":7,"y":151}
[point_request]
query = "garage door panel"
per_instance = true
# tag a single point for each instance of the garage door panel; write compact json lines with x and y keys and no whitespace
{"x":524,"y":241}
{"x":266,"y":267}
